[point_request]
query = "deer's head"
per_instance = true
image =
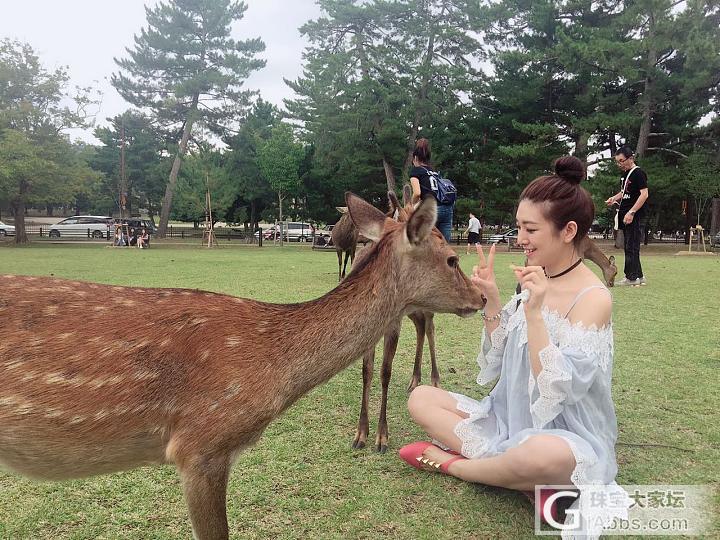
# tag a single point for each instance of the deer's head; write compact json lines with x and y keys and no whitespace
{"x":426,"y":270}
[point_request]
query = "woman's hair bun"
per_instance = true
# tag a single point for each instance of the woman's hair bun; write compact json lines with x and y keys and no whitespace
{"x":570,"y":169}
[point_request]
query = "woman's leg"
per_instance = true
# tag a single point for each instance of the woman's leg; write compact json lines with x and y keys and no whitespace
{"x":542,"y":459}
{"x":435,"y":410}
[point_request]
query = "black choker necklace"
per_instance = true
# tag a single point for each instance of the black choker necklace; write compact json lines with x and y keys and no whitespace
{"x":574,"y":265}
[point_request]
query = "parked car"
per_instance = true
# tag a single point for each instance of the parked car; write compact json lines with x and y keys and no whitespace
{"x":298,"y":232}
{"x":293,"y":232}
{"x":715,"y":240}
{"x":504,"y":238}
{"x":137,"y":224}
{"x":95,"y":226}
{"x":6,"y":230}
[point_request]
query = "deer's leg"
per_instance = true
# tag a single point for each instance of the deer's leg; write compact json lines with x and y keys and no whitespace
{"x":340,"y":258}
{"x":363,"y":427}
{"x":430,"y":333}
{"x":204,"y":483}
{"x":389,"y":348}
{"x":347,"y":256}
{"x":419,"y":321}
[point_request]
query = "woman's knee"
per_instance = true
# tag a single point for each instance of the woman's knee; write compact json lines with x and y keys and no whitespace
{"x":543,"y":458}
{"x":419,"y":399}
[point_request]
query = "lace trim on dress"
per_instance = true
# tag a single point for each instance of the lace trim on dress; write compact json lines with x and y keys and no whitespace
{"x":549,"y":404}
{"x":474,"y":441}
{"x":592,"y":341}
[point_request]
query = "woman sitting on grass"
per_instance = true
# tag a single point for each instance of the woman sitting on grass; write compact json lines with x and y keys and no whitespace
{"x":550,"y":418}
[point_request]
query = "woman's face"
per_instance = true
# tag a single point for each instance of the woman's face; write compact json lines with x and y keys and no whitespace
{"x":542,"y":243}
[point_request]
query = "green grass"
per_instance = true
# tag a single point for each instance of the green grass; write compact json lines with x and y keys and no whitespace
{"x":302,"y":480}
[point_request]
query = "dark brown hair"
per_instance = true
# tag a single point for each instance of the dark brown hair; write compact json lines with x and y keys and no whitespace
{"x":566,"y":199}
{"x":422,"y":150}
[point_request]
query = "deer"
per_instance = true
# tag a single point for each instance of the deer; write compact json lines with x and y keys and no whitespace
{"x":424,"y":327}
{"x":589,"y":250}
{"x":345,"y":238}
{"x":196,"y":388}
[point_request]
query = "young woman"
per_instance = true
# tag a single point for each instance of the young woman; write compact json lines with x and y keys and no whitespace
{"x":550,"y":418}
{"x":422,"y":179}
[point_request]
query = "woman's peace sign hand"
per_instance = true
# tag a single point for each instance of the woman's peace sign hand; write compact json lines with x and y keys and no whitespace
{"x":483,"y":276}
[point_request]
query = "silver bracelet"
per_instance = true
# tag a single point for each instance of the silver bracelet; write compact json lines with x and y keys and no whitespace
{"x":495,"y":317}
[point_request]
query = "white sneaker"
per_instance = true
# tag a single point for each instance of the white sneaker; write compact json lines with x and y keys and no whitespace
{"x":624,"y":282}
{"x":642,"y":281}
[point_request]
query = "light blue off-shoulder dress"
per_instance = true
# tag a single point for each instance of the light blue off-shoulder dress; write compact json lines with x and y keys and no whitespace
{"x":570,"y":398}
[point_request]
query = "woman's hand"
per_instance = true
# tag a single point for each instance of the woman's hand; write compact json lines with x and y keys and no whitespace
{"x":483,"y":276}
{"x":533,"y":279}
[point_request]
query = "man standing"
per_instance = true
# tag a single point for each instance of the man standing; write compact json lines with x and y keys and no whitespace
{"x":473,"y":232}
{"x":631,"y":200}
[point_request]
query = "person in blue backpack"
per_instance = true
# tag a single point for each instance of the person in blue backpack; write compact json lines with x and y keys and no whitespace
{"x":426,"y":181}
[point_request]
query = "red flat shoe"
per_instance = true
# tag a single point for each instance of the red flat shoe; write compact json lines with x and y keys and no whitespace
{"x":546,"y":514}
{"x":412,"y":454}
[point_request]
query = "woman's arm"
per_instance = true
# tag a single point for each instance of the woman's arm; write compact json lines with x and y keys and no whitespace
{"x":415,"y":183}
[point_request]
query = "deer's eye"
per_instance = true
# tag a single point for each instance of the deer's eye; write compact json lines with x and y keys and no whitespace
{"x":453,"y":262}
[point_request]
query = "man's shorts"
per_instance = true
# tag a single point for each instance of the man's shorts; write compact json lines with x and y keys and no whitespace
{"x":473,"y":238}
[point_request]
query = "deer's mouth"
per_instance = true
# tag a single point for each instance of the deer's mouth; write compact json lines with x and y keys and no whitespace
{"x":466,"y":312}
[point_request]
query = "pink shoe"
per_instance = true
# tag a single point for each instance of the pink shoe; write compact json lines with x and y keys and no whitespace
{"x":412,"y":454}
{"x":545,"y":514}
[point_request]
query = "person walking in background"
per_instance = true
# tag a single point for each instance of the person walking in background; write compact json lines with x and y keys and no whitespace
{"x":473,"y":232}
{"x":424,"y":179}
{"x":630,"y":201}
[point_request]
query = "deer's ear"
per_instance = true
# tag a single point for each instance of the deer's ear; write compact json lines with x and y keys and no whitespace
{"x":393,"y":201}
{"x":407,"y":194}
{"x":369,"y":220}
{"x":422,"y":221}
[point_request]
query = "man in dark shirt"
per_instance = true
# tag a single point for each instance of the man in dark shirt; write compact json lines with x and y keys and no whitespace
{"x":631,"y":209}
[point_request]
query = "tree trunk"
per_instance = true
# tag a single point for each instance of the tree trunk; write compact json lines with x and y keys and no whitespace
{"x":581,"y":147}
{"x":280,"y":199}
{"x":420,"y":106}
{"x":172,"y":181}
{"x":648,"y":98}
{"x":253,"y":218}
{"x":715,"y":216}
{"x":18,"y":208}
{"x":389,"y":175}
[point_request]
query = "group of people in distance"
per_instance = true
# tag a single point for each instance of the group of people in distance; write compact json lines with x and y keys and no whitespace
{"x":131,"y":239}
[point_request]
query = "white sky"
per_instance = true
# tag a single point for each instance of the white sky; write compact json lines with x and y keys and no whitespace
{"x":85,"y":36}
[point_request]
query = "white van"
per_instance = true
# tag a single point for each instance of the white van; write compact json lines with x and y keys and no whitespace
{"x":85,"y":226}
{"x":298,"y":232}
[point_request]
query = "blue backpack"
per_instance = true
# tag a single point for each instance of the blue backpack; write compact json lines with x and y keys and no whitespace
{"x":443,"y":188}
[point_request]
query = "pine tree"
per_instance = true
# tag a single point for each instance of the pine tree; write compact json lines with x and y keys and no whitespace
{"x":187,"y":70}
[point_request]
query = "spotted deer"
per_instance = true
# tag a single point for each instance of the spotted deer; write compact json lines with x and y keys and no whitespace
{"x":424,"y":328}
{"x":203,"y":381}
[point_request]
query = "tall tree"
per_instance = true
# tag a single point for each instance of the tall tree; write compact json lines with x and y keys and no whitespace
{"x":241,"y":161}
{"x":279,"y":161}
{"x":145,"y":153}
{"x":377,"y":73}
{"x":187,"y":70}
{"x":38,"y":162}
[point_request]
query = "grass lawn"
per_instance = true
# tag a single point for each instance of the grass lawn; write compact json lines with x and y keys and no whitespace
{"x":302,"y":480}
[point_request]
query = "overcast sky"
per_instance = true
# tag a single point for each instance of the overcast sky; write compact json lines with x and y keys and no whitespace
{"x":86,"y":35}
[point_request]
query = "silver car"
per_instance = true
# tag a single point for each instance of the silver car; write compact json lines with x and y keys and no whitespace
{"x":85,"y":226}
{"x":6,"y":230}
{"x":504,"y":238}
